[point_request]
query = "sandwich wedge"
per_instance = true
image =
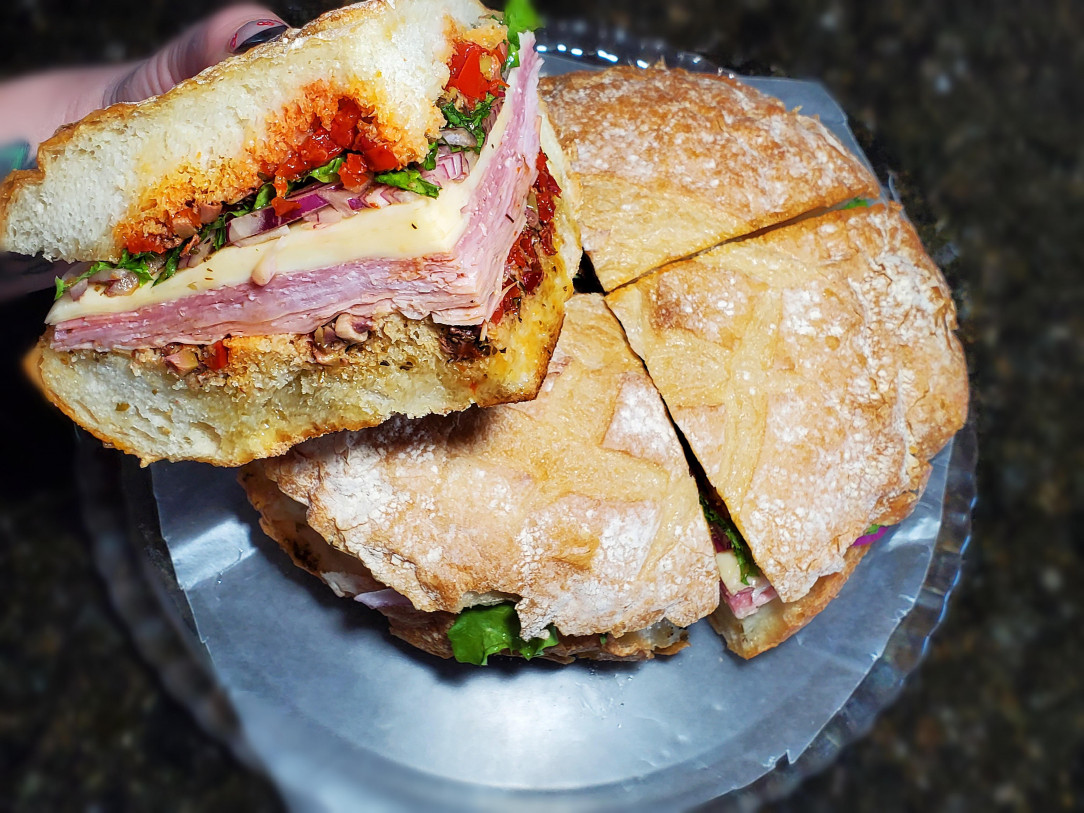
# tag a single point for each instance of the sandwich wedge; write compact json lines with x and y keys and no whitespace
{"x":814,"y":371}
{"x":364,"y":218}
{"x":565,"y":527}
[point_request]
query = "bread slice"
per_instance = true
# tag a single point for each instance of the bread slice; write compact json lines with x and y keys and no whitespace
{"x":579,"y":505}
{"x":814,"y":371}
{"x":206,"y":140}
{"x":670,"y":163}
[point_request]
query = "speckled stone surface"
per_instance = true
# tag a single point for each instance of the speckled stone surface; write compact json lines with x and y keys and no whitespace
{"x":975,"y":108}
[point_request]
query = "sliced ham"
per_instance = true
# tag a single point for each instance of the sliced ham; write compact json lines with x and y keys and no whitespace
{"x":460,"y":288}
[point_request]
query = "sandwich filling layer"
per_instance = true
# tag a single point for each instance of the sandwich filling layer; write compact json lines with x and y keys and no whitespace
{"x":441,"y":257}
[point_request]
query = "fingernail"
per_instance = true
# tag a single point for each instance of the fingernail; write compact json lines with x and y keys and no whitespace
{"x":255,"y":33}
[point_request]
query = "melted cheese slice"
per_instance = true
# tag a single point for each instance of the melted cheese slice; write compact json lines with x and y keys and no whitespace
{"x":417,"y":228}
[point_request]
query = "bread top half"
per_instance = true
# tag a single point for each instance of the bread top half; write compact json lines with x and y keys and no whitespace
{"x":124,"y":169}
{"x":670,"y":163}
{"x":814,"y":372}
{"x":578,"y":505}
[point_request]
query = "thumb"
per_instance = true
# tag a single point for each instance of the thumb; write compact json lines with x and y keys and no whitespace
{"x":230,"y":31}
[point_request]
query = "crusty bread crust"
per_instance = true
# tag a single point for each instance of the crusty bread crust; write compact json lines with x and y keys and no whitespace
{"x":775,"y":622}
{"x":124,"y":170}
{"x":670,"y":163}
{"x":579,"y":504}
{"x":814,"y":371}
{"x":284,"y":520}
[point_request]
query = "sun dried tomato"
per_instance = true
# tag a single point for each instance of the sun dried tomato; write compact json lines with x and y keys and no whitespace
{"x":138,"y":243}
{"x":353,"y":173}
{"x":378,"y":157}
{"x":283,"y":207}
{"x":546,"y":189}
{"x":345,"y":123}
{"x":216,"y":356}
{"x":318,"y":148}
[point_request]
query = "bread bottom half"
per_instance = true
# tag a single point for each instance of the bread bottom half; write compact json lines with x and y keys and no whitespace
{"x":278,"y":390}
{"x":283,"y":519}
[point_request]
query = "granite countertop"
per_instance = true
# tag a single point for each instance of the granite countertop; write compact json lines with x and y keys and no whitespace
{"x":975,"y":109}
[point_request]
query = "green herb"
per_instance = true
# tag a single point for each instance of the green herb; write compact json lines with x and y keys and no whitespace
{"x":738,"y":546}
{"x":856,"y":203}
{"x":519,"y":16}
{"x":602,"y":639}
{"x":63,"y":286}
{"x":410,"y":180}
{"x":872,"y":529}
{"x":263,"y":198}
{"x":170,"y":268}
{"x":479,"y":632}
{"x":328,"y":173}
{"x":430,"y":161}
{"x":473,"y":122}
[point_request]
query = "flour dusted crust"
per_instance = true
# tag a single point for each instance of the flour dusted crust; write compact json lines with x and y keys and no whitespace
{"x":205,"y":140}
{"x":670,"y":163}
{"x":283,"y":519}
{"x":814,"y":372}
{"x":579,"y":503}
{"x":776,"y":621}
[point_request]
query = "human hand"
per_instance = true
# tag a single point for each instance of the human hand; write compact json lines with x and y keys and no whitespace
{"x":33,"y":107}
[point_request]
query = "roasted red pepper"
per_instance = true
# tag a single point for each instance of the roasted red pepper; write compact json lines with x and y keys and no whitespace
{"x":216,"y":356}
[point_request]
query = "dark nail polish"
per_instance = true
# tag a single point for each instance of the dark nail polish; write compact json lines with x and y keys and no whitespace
{"x":256,"y":33}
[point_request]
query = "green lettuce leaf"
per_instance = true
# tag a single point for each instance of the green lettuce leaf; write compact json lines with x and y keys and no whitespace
{"x":519,"y":16}
{"x":479,"y":632}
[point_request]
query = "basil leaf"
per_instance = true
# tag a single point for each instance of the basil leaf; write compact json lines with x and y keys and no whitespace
{"x":410,"y":180}
{"x":479,"y":632}
{"x":170,"y":268}
{"x":855,"y":203}
{"x":328,"y":173}
{"x":473,"y":121}
{"x":430,"y":161}
{"x":263,"y":198}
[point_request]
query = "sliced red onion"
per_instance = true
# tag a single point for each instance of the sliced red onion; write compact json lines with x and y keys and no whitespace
{"x":383,"y":598}
{"x":324,"y":217}
{"x":123,"y":285}
{"x":459,"y":137}
{"x":263,"y":237}
{"x":265,"y":219}
{"x":869,"y":539}
{"x":77,"y":290}
{"x":197,"y":255}
{"x":342,"y":201}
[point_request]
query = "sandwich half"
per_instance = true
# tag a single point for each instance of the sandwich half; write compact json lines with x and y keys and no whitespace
{"x":364,"y":218}
{"x":814,"y":371}
{"x":568,"y":526}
